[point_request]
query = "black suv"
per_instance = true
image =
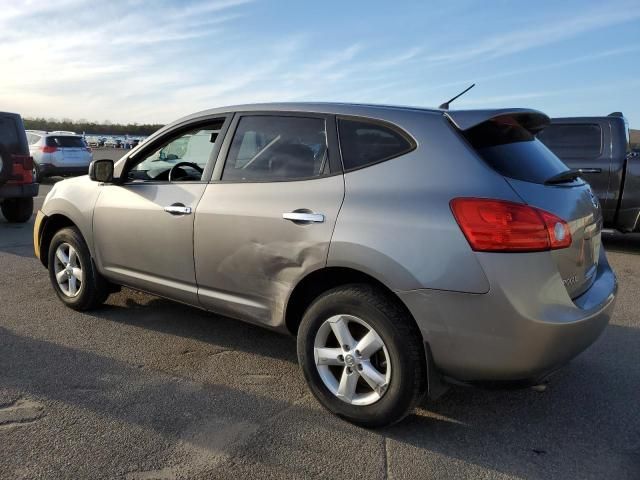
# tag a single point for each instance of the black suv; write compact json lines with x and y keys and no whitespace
{"x":599,"y":148}
{"x":17,"y":186}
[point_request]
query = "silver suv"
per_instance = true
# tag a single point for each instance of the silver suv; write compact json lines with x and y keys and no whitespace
{"x":404,"y":247}
{"x":58,"y":153}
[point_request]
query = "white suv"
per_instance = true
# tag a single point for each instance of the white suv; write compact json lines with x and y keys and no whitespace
{"x":58,"y":153}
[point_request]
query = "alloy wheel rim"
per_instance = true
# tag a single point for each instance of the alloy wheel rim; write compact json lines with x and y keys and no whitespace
{"x":352,"y":360}
{"x":68,"y":270}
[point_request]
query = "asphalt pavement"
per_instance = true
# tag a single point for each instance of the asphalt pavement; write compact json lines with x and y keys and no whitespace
{"x":145,"y":388}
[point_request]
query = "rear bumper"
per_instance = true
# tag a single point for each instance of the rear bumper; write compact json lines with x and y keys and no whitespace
{"x":49,"y":170}
{"x":521,"y":330}
{"x":15,"y":190}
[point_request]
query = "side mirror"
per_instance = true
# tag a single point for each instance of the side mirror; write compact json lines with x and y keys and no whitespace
{"x":101,"y":171}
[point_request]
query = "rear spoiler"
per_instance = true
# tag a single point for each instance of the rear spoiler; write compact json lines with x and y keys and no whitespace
{"x":532,"y":120}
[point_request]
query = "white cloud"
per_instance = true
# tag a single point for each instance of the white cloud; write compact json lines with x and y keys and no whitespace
{"x":152,"y":61}
{"x":539,"y":34}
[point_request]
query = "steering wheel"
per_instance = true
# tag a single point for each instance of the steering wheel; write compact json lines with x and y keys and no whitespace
{"x":184,"y":164}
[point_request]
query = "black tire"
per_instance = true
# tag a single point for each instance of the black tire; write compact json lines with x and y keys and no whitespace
{"x":401,"y":337}
{"x":36,"y":173}
{"x":17,"y":210}
{"x":94,"y":288}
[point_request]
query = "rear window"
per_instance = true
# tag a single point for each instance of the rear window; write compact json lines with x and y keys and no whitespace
{"x":65,"y":142}
{"x":513,"y":151}
{"x":582,"y":141}
{"x":364,"y":143}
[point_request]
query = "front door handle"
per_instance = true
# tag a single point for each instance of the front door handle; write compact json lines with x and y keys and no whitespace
{"x":589,"y":170}
{"x":304,"y":217}
{"x":178,"y":209}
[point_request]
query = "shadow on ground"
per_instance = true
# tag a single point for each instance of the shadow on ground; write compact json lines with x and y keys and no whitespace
{"x":622,"y":242}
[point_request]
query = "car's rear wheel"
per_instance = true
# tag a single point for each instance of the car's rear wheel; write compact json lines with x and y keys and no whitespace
{"x":72,"y":272}
{"x":17,"y":210}
{"x":362,"y":355}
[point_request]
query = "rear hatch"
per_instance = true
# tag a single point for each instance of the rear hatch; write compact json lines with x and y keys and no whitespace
{"x":70,"y":150}
{"x":506,"y":141}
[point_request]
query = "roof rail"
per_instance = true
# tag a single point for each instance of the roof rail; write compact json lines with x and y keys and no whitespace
{"x":615,"y":114}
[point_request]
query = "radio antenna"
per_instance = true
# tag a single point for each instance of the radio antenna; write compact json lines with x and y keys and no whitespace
{"x":445,"y":105}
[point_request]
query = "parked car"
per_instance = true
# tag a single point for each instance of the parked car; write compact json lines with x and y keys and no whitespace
{"x":404,"y":247}
{"x":112,"y":142}
{"x":59,"y":154}
{"x":17,"y":185}
{"x":92,"y":141}
{"x":598,"y":147}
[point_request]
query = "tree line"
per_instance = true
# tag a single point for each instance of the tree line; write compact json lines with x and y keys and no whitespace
{"x":79,"y":126}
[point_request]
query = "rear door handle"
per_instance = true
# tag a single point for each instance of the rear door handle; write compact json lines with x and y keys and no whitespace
{"x":304,"y":217}
{"x":178,"y":209}
{"x":590,"y":170}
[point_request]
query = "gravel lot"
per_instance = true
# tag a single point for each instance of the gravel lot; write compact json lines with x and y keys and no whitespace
{"x":146,"y":388}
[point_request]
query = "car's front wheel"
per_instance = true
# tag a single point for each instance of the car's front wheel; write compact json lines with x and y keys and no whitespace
{"x":17,"y":210}
{"x":362,"y":355}
{"x":72,"y":272}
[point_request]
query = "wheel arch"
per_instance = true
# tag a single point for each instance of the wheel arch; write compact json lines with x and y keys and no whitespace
{"x":324,"y":279}
{"x":51,"y":225}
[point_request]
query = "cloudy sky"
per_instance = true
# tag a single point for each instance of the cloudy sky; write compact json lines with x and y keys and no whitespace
{"x":156,"y":60}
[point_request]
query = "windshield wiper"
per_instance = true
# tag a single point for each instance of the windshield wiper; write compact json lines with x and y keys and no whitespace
{"x":563,"y":177}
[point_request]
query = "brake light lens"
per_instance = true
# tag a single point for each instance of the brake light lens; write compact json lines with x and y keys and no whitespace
{"x":22,"y":170}
{"x":502,"y":226}
{"x":48,"y":149}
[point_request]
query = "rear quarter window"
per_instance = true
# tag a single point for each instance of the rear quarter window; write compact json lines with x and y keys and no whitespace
{"x":579,"y":141}
{"x":364,"y":143}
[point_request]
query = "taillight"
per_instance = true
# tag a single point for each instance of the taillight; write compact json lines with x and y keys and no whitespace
{"x":48,"y":149}
{"x":502,"y":226}
{"x":22,"y":170}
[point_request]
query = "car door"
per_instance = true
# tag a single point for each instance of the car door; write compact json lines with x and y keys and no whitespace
{"x":267,"y":218}
{"x":143,"y":228}
{"x":582,"y":146}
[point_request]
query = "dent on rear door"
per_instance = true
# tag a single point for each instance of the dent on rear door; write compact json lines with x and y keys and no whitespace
{"x":248,"y":257}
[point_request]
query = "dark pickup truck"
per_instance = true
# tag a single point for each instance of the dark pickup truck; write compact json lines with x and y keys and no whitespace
{"x":599,"y":148}
{"x":17,"y":186}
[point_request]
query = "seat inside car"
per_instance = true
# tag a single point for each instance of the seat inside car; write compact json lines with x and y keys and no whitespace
{"x":292,"y":161}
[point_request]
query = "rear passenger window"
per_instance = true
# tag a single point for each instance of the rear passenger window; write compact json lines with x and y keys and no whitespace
{"x":364,"y":143}
{"x":272,"y":148}
{"x":573,"y":141}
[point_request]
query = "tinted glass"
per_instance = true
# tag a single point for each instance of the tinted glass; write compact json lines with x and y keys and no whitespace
{"x":513,"y":151}
{"x":8,"y":133}
{"x":573,"y":141}
{"x":65,"y":142}
{"x":271,"y":148}
{"x":364,"y":143}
